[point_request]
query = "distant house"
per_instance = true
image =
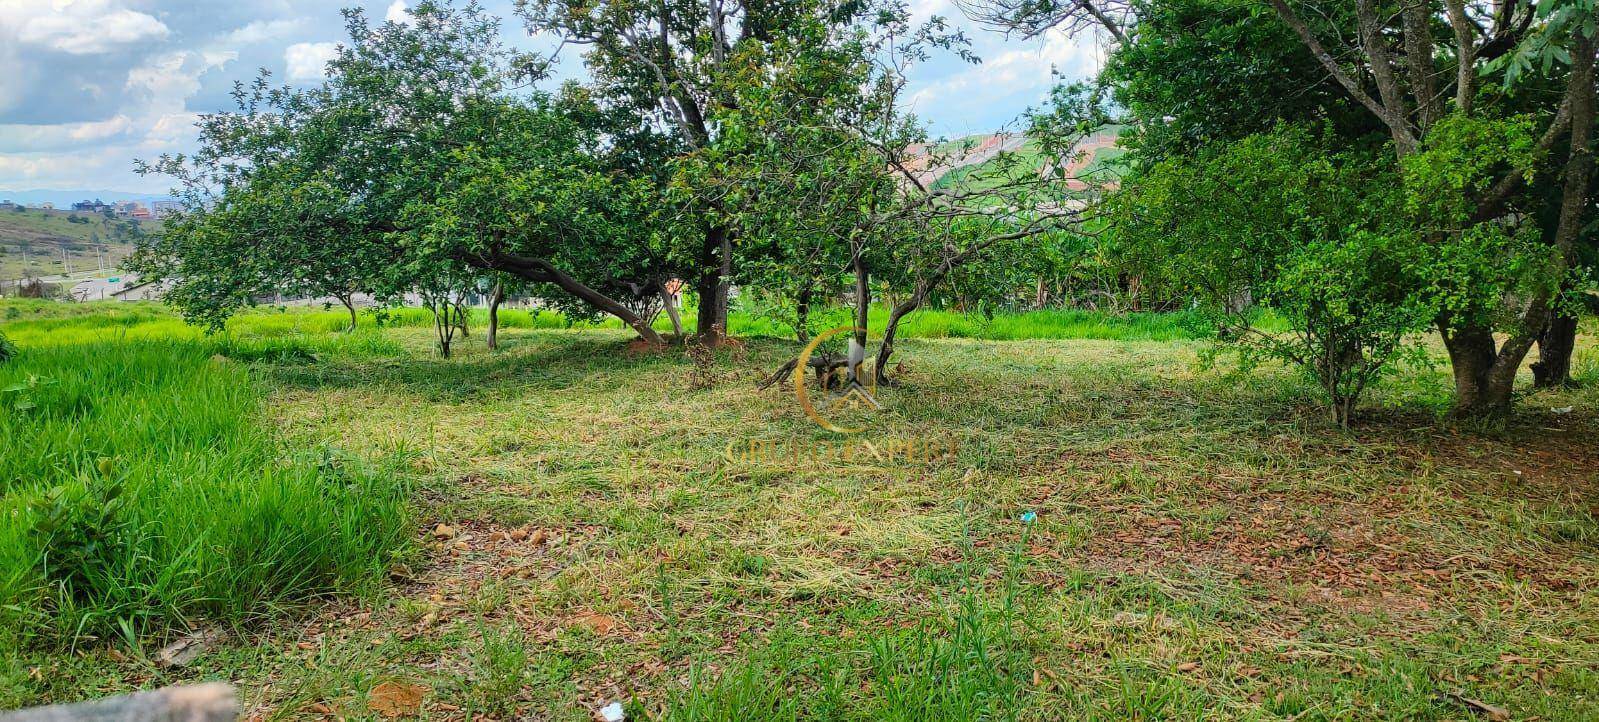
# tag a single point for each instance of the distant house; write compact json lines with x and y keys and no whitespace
{"x":47,"y":205}
{"x":141,"y":214}
{"x":94,"y":206}
{"x":163,"y":209}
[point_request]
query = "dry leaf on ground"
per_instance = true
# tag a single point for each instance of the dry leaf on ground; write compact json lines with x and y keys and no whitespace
{"x":394,"y":699}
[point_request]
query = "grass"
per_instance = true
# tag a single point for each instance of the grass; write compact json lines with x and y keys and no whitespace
{"x":145,"y":496}
{"x":45,"y":322}
{"x":1204,"y":544}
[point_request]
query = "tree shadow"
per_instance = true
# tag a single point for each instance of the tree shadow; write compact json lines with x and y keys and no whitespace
{"x":524,"y":363}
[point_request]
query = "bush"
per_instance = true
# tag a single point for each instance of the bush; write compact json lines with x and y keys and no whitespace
{"x":145,"y":495}
{"x":1317,"y":235}
{"x":8,"y":350}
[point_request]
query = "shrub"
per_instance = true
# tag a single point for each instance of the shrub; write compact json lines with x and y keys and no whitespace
{"x":1316,"y":235}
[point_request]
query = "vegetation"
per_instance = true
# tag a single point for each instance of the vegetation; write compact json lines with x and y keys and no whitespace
{"x":1127,"y":510}
{"x":1483,"y":116}
{"x":41,"y":322}
{"x":1199,"y":542}
{"x":37,"y":242}
{"x":144,"y":494}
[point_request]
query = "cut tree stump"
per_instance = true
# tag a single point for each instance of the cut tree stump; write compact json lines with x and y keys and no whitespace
{"x":199,"y":703}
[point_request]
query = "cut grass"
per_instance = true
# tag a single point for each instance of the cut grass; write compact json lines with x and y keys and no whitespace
{"x":1205,"y":546}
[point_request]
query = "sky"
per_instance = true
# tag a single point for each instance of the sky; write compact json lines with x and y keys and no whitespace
{"x":87,"y":86}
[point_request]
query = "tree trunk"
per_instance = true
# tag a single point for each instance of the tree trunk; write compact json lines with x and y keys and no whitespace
{"x":886,"y":349}
{"x":1560,"y":333}
{"x":1555,"y":345}
{"x":863,"y":314}
{"x":446,"y":333}
{"x":802,"y":314}
{"x":669,"y":302}
{"x":349,"y":303}
{"x":1484,"y":378}
{"x":461,"y":317}
{"x":1472,"y":357}
{"x":713,"y":285}
{"x":496,"y":298}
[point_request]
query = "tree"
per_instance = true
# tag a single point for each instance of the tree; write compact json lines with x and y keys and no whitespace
{"x":285,"y":231}
{"x":672,"y":72}
{"x":1316,"y":234}
{"x":372,"y":172}
{"x":523,"y":200}
{"x":1414,"y":104}
{"x":1428,"y":79}
{"x":842,"y":186}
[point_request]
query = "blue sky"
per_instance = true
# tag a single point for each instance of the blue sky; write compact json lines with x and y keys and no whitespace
{"x":86,"y":86}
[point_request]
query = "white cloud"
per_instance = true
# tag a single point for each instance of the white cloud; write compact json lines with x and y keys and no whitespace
{"x":261,"y":31}
{"x":398,"y":13}
{"x":16,"y":138}
{"x":81,"y":27}
{"x":308,"y":61}
{"x":165,"y":85}
{"x":94,"y":167}
{"x":168,"y":79}
{"x":1011,"y":80}
{"x":172,"y":128}
{"x":922,"y":10}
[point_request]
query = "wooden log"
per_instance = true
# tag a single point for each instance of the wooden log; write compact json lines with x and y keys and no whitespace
{"x":200,"y":703}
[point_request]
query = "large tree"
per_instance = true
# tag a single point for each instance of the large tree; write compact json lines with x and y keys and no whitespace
{"x":378,"y":167}
{"x":847,"y":192}
{"x":678,"y":69}
{"x":1446,"y":85}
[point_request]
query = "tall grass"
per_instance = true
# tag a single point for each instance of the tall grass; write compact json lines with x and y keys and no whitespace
{"x":142,"y":494}
{"x":37,"y":323}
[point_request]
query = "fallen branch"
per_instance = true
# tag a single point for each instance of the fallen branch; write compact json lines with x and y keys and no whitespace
{"x":824,"y":365}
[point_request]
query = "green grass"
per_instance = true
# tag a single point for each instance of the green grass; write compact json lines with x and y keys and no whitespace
{"x":145,"y":493}
{"x":55,"y":323}
{"x":1205,"y":544}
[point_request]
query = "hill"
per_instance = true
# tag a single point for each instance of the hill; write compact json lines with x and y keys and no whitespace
{"x":961,"y":157}
{"x":45,"y":243}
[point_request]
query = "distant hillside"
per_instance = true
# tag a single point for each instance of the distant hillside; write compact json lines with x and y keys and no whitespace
{"x":89,"y":241}
{"x":963,"y":157}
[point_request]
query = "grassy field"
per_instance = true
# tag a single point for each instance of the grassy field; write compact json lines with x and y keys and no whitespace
{"x":62,"y":323}
{"x":1120,"y":533}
